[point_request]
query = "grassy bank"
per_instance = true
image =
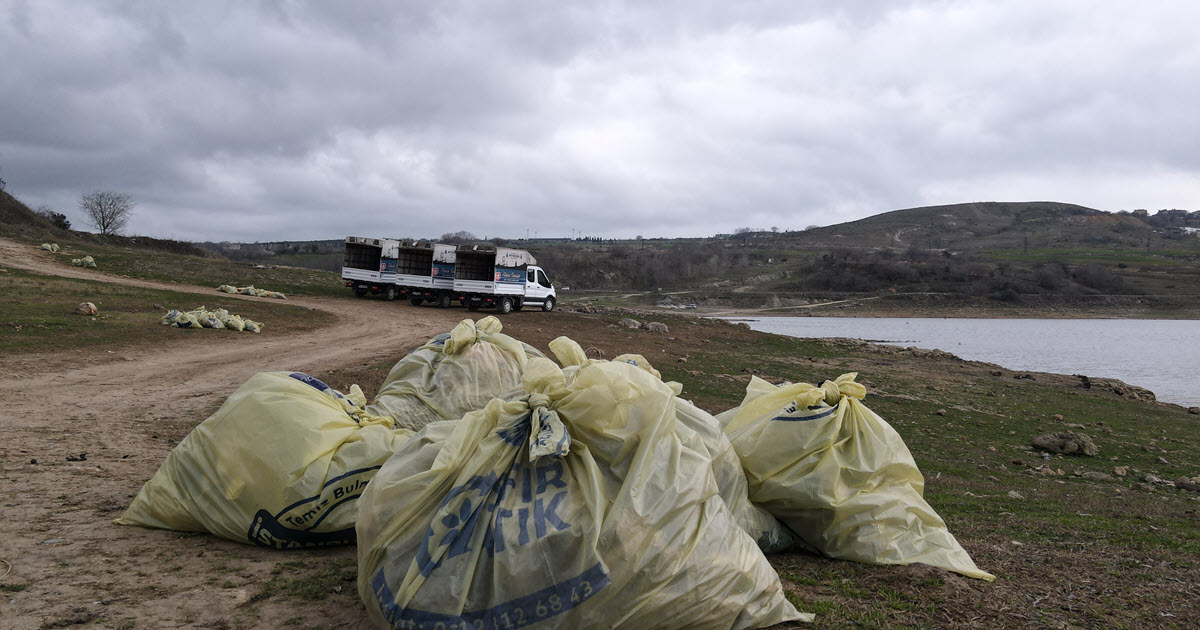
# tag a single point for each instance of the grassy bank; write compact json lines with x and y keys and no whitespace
{"x":38,"y":315}
{"x":162,"y":266}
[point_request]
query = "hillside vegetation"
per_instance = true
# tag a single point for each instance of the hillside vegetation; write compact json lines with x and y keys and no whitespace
{"x":1000,"y":253}
{"x":986,"y":255}
{"x":161,"y":259}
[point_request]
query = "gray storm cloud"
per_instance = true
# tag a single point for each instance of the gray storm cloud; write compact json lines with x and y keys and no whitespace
{"x":295,"y":120}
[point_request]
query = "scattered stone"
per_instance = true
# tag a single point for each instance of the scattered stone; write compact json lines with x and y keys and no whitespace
{"x":81,"y":458}
{"x":1183,"y":483}
{"x":1044,"y":471}
{"x":681,"y":360}
{"x":1120,"y":471}
{"x":1163,"y":461}
{"x":1057,"y":417}
{"x":1151,"y":478}
{"x":941,"y":412}
{"x":1195,"y":411}
{"x":33,"y":461}
{"x":1094,"y":476}
{"x":1074,"y":425}
{"x":87,"y":308}
{"x":1068,"y":443}
{"x":1013,"y":494}
{"x":1122,"y":389}
{"x":629,"y":323}
{"x":657,"y":327}
{"x":997,"y":373}
{"x":1024,"y":376}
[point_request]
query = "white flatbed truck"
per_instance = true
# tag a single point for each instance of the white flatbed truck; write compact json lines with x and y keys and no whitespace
{"x":503,"y":278}
{"x":369,"y":266}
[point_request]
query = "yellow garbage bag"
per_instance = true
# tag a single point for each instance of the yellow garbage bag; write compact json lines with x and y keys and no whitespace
{"x":453,"y":374}
{"x":235,"y":322}
{"x":280,"y":465}
{"x":253,"y":326}
{"x":573,"y":507}
{"x":170,"y":318}
{"x":182,"y":320}
{"x":839,"y":476}
{"x":227,"y":288}
{"x":701,"y":431}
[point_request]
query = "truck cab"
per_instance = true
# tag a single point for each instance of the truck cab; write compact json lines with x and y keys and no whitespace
{"x":538,"y":289}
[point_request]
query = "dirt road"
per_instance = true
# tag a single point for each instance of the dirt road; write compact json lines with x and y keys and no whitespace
{"x":80,"y":433}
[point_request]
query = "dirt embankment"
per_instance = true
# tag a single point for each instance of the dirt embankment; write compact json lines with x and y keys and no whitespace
{"x":82,"y":430}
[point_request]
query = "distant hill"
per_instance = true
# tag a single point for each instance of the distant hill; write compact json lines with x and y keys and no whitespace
{"x":985,"y":225}
{"x":997,"y":251}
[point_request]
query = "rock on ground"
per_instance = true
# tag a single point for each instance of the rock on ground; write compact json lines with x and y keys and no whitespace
{"x":1068,"y":443}
{"x":657,"y":327}
{"x":629,"y":323}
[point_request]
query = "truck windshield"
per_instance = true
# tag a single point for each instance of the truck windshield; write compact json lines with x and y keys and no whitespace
{"x":542,"y":279}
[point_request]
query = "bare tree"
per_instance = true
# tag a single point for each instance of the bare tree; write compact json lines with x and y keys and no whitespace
{"x":107,"y":211}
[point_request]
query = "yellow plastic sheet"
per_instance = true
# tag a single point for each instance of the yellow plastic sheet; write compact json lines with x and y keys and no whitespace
{"x":839,"y":476}
{"x":280,"y":464}
{"x":575,"y":506}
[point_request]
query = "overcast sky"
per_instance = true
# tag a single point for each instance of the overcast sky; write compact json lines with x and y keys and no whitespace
{"x":264,"y":121}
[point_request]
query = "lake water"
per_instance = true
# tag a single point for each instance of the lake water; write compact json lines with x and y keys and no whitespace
{"x":1161,"y":355}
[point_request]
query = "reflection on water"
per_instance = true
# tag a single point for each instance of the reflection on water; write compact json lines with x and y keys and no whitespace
{"x":1160,"y":355}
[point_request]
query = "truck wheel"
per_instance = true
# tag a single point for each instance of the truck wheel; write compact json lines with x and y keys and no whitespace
{"x":472,"y":306}
{"x":443,"y":301}
{"x":389,"y":293}
{"x":415,"y":301}
{"x":505,"y":306}
{"x":548,"y":305}
{"x":360,"y":291}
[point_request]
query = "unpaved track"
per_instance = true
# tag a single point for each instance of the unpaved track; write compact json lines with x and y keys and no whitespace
{"x":62,"y":562}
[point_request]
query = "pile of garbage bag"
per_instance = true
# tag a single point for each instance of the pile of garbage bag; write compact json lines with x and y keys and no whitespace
{"x":488,"y":486}
{"x":86,"y":261}
{"x":251,"y":290}
{"x":201,"y":317}
{"x":50,"y":247}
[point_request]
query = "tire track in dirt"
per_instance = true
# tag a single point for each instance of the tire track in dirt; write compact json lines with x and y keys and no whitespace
{"x":125,"y":411}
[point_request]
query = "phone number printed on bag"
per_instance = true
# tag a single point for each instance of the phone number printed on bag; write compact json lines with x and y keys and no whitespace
{"x":515,"y":613}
